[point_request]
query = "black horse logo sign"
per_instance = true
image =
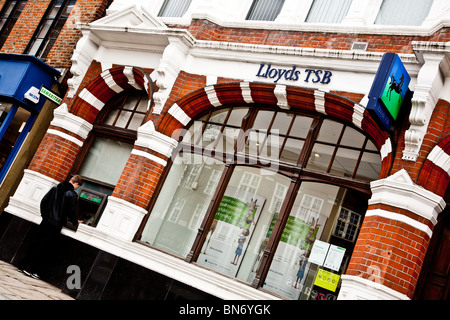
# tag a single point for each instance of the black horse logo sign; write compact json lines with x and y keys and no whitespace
{"x":396,"y":86}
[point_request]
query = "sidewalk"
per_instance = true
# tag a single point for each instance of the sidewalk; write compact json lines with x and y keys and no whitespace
{"x":18,"y":286}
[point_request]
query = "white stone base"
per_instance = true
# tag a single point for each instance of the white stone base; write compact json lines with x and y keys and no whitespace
{"x":25,"y":203}
{"x":120,"y":218}
{"x":357,"y":288}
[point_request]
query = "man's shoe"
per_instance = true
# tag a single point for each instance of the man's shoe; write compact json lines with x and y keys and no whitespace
{"x":35,"y":276}
{"x":32,"y":275}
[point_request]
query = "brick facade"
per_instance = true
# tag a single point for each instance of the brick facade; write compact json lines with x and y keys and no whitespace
{"x":393,"y":240}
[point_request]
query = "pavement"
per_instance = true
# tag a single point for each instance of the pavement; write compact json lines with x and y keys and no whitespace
{"x":15,"y":285}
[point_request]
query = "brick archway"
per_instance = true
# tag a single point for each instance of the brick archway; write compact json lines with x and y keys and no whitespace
{"x":110,"y":82}
{"x":286,"y":97}
{"x":63,"y":140}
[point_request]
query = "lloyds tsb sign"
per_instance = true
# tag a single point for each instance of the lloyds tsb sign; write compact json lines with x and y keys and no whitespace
{"x":294,"y":74}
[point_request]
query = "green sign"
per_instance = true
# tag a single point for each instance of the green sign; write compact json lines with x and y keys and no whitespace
{"x":395,"y":88}
{"x":50,"y":95}
{"x":235,"y":212}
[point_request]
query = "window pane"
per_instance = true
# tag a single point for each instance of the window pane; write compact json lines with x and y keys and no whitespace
{"x":235,"y":243}
{"x":330,"y":131}
{"x":123,"y":118}
{"x":328,"y":11}
{"x":352,"y":138}
{"x":370,"y":167}
{"x":237,"y":114}
{"x":281,"y":123}
{"x":105,"y":160}
{"x":267,"y":10}
{"x":127,"y":110}
{"x":301,"y":127}
{"x":403,"y":12}
{"x":182,"y":204}
{"x":136,"y":121}
{"x":345,"y":162}
{"x":320,"y":157}
{"x":263,"y":119}
{"x":291,"y":150}
{"x":219,"y":116}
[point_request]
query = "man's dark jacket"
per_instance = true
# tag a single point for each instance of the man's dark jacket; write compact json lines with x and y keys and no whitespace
{"x":59,"y":205}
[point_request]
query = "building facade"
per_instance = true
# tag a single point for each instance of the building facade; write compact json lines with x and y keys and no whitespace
{"x":230,"y":151}
{"x":37,"y":39}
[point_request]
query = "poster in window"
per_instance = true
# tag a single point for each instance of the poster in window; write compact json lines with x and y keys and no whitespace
{"x":227,"y":240}
{"x":290,"y":266}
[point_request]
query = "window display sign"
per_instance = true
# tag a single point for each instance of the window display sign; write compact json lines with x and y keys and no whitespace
{"x":319,"y":252}
{"x":231,"y":231}
{"x":327,"y":280}
{"x":290,"y":265}
{"x":334,"y":258}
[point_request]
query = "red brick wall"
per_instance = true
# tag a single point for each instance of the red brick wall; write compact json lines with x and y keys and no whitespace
{"x":59,"y":57}
{"x":390,"y":252}
{"x":55,"y":155}
{"x":23,"y":30}
{"x":206,"y":30}
{"x":84,"y":11}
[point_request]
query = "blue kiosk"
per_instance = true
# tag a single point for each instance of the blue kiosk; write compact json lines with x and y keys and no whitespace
{"x":21,"y":79}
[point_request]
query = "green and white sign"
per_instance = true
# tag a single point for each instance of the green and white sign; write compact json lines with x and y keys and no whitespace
{"x":46,"y":93}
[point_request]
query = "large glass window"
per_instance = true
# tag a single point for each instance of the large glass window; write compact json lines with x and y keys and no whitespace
{"x":182,"y":204}
{"x":248,"y":193}
{"x":403,"y":12}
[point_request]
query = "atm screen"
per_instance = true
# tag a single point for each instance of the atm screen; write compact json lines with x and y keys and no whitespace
{"x":91,"y":196}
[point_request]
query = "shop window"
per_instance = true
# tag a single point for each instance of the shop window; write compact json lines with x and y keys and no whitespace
{"x":222,"y":198}
{"x":9,"y":14}
{"x":403,"y":12}
{"x":174,"y":8}
{"x":181,"y":205}
{"x":328,"y":11}
{"x":266,"y":10}
{"x":49,"y":28}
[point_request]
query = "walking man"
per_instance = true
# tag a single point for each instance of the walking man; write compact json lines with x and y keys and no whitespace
{"x":57,"y":206}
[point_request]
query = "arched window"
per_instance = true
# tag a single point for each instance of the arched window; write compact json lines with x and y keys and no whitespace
{"x":250,"y":189}
{"x":109,"y":145}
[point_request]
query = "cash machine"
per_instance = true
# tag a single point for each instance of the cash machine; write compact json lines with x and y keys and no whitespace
{"x":90,"y":206}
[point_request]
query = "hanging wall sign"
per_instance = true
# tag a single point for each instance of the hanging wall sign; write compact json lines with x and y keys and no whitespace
{"x":268,"y":71}
{"x":388,"y":90}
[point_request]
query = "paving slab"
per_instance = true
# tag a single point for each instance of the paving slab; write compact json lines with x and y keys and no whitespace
{"x":15,"y":285}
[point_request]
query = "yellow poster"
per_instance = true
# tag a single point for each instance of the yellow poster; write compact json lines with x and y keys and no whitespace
{"x":327,"y":280}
